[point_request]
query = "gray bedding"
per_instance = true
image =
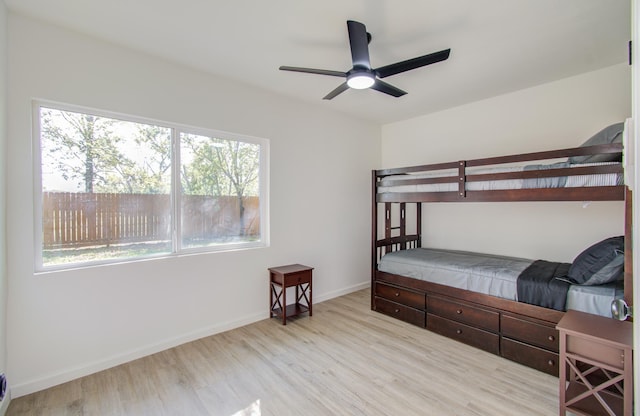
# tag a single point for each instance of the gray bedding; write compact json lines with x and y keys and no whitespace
{"x":489,"y":274}
{"x":605,"y":179}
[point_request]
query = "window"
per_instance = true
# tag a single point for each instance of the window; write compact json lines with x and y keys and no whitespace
{"x":113,"y":188}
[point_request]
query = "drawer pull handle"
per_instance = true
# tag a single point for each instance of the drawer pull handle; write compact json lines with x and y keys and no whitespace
{"x":551,"y":363}
{"x":552,"y":338}
{"x":397,"y":310}
{"x":458,"y":331}
{"x":397,"y":294}
{"x":459,"y":311}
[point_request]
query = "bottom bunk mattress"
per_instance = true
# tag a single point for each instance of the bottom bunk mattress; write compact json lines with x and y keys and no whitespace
{"x":491,"y":275}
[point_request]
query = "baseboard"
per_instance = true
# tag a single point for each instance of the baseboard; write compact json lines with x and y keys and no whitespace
{"x":51,"y":380}
{"x":4,"y":404}
{"x":341,"y":292}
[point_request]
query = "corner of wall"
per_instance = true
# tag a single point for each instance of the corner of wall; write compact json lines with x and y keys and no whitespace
{"x":4,"y":404}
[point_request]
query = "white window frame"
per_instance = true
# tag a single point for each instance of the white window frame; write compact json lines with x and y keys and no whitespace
{"x":176,"y":237}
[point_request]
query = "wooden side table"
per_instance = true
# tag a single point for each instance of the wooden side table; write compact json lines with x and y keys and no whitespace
{"x":595,"y":365}
{"x":283,"y":277}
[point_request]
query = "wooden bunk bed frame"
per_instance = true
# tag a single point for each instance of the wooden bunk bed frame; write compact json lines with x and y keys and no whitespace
{"x":517,"y":331}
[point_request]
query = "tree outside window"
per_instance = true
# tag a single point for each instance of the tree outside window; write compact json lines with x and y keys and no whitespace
{"x":109,"y":191}
{"x":220,"y":176}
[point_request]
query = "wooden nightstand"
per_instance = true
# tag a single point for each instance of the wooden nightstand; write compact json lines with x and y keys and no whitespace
{"x":283,"y":277}
{"x":595,"y":365}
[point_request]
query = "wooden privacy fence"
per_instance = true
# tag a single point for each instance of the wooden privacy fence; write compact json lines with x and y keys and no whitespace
{"x":87,"y":219}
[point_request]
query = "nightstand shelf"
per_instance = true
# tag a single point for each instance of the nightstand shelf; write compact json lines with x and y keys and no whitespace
{"x":590,"y":405}
{"x":290,"y":310}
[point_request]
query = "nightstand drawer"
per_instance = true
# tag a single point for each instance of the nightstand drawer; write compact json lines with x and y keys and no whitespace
{"x":534,"y":357}
{"x":464,"y":333}
{"x":462,"y":312}
{"x":602,"y":352}
{"x":399,"y":295}
{"x":297,"y":278}
{"x":402,"y":312}
{"x":530,"y":332}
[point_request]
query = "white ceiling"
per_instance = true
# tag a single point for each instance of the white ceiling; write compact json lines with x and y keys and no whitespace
{"x":497,"y":46}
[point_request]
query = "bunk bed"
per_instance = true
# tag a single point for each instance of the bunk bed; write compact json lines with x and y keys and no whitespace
{"x":477,"y":298}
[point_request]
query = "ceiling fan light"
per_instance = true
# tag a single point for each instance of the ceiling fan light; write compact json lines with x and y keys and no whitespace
{"x":360,"y":81}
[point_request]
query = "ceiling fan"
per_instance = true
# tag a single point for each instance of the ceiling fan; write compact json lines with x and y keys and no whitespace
{"x":362,"y":76}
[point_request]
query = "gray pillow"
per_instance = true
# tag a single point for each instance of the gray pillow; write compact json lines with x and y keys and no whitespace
{"x":608,"y":135}
{"x":601,"y":263}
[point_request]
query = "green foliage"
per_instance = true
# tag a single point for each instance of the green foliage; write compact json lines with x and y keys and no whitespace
{"x":82,"y":147}
{"x":106,"y":155}
{"x":219,"y":167}
{"x":150,"y":174}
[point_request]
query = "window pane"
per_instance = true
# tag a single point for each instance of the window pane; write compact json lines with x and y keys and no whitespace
{"x":220,"y":201}
{"x":105,"y":188}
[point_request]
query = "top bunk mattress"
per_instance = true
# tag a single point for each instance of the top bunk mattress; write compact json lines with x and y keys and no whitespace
{"x":411,"y":182}
{"x":489,"y":274}
{"x":593,"y":171}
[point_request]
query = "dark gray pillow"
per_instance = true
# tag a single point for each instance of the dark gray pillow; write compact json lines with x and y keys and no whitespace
{"x":610,"y":134}
{"x":601,"y":263}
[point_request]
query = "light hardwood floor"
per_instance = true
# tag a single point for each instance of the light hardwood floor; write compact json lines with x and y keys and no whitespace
{"x":345,"y":360}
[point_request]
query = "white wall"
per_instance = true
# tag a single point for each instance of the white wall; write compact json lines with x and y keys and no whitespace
{"x":3,"y":141}
{"x":67,"y":324}
{"x":555,"y":115}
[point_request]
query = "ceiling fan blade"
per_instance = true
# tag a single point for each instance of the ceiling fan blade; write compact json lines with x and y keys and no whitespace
{"x":414,"y":63}
{"x":359,"y":44}
{"x":387,"y":88}
{"x":314,"y":71}
{"x":339,"y":90}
